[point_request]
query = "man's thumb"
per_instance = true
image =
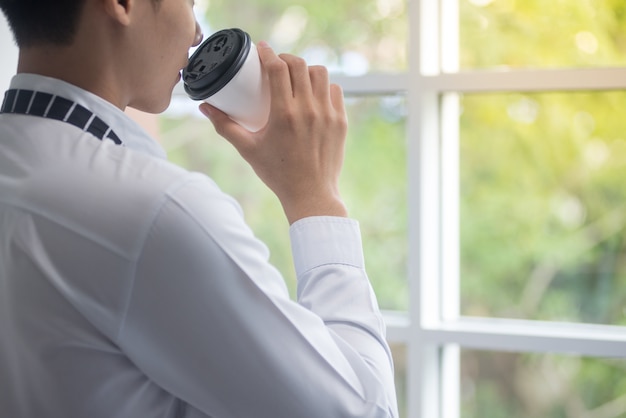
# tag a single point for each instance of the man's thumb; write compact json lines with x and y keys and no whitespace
{"x":234,"y":133}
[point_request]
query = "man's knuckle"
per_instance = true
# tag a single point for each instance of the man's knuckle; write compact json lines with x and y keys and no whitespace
{"x":299,"y":62}
{"x":318,"y":71}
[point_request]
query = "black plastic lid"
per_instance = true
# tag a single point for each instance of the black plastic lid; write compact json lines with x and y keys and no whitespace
{"x":215,"y":62}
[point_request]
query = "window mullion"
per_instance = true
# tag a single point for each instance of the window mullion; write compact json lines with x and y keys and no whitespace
{"x":527,"y":80}
{"x":449,"y":291}
{"x":424,"y":207}
{"x":530,"y":336}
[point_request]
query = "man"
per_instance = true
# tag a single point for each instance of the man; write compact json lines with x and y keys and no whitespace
{"x":130,"y":287}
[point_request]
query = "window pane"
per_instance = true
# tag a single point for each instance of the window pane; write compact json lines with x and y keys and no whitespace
{"x":523,"y":385}
{"x":543,"y":206}
{"x":351,"y":36}
{"x":533,"y":33}
{"x":373,"y":185}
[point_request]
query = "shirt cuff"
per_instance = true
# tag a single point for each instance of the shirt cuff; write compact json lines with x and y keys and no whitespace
{"x":323,"y":240}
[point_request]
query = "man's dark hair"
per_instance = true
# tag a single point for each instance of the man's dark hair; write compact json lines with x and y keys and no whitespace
{"x":42,"y":21}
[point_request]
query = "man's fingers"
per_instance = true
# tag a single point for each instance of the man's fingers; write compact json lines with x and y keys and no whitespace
{"x":298,"y":74}
{"x":320,"y":83}
{"x":336,"y":97}
{"x":278,"y":73}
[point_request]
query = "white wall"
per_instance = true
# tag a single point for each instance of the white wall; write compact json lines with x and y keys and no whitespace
{"x":8,"y":52}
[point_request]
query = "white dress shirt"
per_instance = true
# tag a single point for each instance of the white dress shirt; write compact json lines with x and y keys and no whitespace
{"x":130,"y":287}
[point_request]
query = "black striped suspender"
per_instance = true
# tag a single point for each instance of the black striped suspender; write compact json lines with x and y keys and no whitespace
{"x":45,"y":105}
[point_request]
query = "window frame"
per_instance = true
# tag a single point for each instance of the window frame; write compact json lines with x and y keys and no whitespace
{"x":433,"y":330}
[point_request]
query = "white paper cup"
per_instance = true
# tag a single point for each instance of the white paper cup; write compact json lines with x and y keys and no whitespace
{"x":225,"y":71}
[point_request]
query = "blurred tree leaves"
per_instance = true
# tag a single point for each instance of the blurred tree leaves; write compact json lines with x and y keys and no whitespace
{"x":533,"y":33}
{"x":349,"y":36}
{"x":543,"y":204}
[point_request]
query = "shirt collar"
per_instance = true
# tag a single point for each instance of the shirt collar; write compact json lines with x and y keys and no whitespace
{"x":132,"y":135}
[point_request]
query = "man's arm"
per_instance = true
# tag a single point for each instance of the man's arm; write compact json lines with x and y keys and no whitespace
{"x":210,"y":320}
{"x":299,"y":153}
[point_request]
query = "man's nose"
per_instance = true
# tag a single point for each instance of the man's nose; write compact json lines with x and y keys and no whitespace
{"x":199,"y":35}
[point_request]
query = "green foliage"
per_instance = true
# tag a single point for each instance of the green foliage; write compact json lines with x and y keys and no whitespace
{"x":374,"y":185}
{"x":498,"y":385}
{"x":543,"y":203}
{"x":326,"y":31}
{"x":531,"y":33}
{"x":542,"y":207}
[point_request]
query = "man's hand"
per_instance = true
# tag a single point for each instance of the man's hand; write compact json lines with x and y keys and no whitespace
{"x":299,"y":153}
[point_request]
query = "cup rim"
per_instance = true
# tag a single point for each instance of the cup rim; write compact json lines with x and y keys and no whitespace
{"x":209,"y":89}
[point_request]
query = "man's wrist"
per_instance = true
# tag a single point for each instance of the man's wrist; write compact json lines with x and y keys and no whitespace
{"x":315,"y":207}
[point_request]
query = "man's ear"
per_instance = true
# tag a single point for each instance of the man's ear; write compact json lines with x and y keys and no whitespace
{"x":119,"y":10}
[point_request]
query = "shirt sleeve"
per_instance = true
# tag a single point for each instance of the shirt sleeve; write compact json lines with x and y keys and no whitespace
{"x":210,"y":320}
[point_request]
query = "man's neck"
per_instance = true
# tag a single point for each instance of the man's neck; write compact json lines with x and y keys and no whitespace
{"x":63,"y":63}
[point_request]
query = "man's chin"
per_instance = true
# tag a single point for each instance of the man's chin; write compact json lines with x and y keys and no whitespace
{"x":153,"y":107}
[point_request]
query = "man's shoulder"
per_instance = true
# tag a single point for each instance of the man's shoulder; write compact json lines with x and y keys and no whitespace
{"x":80,"y":183}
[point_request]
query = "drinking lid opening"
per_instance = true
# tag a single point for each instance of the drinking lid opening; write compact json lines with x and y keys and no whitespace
{"x":215,"y":62}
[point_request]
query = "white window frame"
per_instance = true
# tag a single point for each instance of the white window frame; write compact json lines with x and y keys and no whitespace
{"x":433,"y":330}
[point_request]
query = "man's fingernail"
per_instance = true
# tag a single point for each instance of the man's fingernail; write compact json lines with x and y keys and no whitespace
{"x":263,"y":44}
